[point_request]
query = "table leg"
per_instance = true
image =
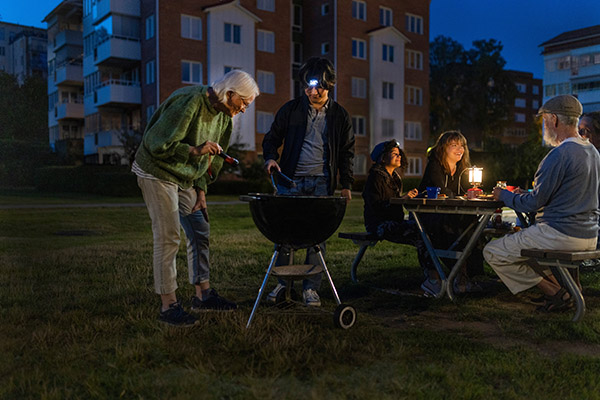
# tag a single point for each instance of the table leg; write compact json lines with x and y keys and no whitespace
{"x":433,"y":255}
{"x":483,"y":220}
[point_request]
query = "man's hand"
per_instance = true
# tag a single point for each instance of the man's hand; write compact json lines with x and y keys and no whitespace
{"x":271,"y":166}
{"x":201,"y":204}
{"x":412,"y":193}
{"x":496,"y":192}
{"x":347,"y":194}
{"x":205,"y":148}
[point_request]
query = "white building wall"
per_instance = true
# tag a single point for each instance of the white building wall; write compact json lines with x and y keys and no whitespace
{"x":379,"y":72}
{"x":242,"y":56}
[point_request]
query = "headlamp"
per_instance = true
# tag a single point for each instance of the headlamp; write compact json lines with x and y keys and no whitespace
{"x":313,"y":83}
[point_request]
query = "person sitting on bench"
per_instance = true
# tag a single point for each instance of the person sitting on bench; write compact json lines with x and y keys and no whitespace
{"x":383,"y":183}
{"x":565,"y":196}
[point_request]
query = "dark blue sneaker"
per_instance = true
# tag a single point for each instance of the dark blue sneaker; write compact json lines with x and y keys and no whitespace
{"x":176,"y":316}
{"x":214,"y":302}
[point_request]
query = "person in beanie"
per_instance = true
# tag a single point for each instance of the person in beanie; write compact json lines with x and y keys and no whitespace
{"x":383,"y":183}
{"x":565,"y":196}
{"x":174,"y":165}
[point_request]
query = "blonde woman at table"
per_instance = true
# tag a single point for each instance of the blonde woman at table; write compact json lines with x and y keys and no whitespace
{"x":448,"y":159}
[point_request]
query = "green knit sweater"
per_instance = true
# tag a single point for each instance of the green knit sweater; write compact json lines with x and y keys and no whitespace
{"x":185,"y":119}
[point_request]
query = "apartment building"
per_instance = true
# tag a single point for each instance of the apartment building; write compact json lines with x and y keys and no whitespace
{"x":525,"y":108}
{"x":22,"y":51}
{"x":136,"y":53}
{"x":65,"y":79}
{"x":572,"y":66}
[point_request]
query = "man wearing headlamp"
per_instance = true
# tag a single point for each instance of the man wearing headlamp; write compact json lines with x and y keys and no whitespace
{"x":318,"y":144}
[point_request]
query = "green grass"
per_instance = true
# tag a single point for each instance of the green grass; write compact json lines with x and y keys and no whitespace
{"x":78,"y":321}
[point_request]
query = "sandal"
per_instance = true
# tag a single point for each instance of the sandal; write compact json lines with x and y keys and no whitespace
{"x":556,"y":302}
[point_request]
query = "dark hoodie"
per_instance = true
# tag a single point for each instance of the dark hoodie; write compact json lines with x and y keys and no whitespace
{"x":379,"y":189}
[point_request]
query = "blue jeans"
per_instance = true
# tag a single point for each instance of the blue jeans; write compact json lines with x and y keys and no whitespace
{"x":305,"y":186}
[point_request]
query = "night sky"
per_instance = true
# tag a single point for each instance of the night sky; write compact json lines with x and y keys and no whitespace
{"x":521,"y":25}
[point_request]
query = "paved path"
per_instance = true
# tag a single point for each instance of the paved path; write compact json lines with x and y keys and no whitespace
{"x":95,"y":205}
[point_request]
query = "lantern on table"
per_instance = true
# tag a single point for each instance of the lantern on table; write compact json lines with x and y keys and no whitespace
{"x":475,"y":178}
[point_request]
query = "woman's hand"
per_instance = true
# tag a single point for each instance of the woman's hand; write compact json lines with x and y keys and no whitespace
{"x":411,"y":194}
{"x":205,"y":148}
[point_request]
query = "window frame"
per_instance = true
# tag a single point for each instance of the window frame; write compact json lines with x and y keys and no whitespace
{"x":359,"y":6}
{"x":190,"y":34}
{"x":235,"y":33}
{"x":360,"y":44}
{"x":191,"y":64}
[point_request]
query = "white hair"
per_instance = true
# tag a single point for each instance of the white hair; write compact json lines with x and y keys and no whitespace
{"x":568,"y":120}
{"x":236,"y":81}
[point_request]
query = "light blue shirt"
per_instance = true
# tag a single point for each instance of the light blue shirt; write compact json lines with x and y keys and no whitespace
{"x":566,"y":190}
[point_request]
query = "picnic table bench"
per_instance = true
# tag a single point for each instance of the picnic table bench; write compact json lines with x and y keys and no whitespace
{"x":364,"y":240}
{"x":561,"y":261}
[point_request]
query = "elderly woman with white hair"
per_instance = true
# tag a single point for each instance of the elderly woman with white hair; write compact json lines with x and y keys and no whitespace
{"x":174,"y":164}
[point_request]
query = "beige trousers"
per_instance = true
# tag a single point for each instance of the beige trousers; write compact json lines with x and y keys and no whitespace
{"x":504,"y":254}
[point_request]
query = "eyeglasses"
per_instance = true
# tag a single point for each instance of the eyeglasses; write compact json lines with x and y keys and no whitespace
{"x":245,"y":104}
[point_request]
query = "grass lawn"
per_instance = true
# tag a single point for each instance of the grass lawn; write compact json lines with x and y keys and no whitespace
{"x":78,"y":320}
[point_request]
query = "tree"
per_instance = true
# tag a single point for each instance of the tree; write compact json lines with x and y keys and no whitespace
{"x":470,"y":90}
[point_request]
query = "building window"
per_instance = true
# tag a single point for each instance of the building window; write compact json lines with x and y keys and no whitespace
{"x":150,"y":72}
{"x":535,"y":89}
{"x":325,"y":9}
{"x":297,"y":53}
{"x":149,"y":112}
{"x":359,"y":49}
{"x":564,"y":88}
{"x":387,"y":127}
{"x":388,"y":90}
{"x":297,"y":18}
{"x":385,"y":16}
{"x":413,"y":130}
{"x":229,"y":68}
{"x":519,"y":117}
{"x":414,"y":95}
{"x":414,"y":23}
{"x":535,"y":104}
{"x":267,"y":5}
{"x":359,"y":10}
{"x":266,"y":81}
{"x":521,"y":103}
{"x":550,"y":90}
{"x":325,"y":48}
{"x":387,"y":53}
{"x":191,"y":27}
{"x":415,"y":59}
{"x":359,"y":88}
{"x":358,"y":125}
{"x":232,"y":33}
{"x":414,"y":166}
{"x":191,"y":72}
{"x":2,"y":51}
{"x":264,"y":121}
{"x":521,"y":87}
{"x":265,"y":41}
{"x":360,"y":164}
{"x":150,"y":27}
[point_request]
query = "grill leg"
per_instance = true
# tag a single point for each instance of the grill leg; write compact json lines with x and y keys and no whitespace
{"x":335,"y":294}
{"x":260,"y":291}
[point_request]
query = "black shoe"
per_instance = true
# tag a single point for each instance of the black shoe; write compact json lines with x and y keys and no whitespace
{"x":176,"y":316}
{"x":214,"y":302}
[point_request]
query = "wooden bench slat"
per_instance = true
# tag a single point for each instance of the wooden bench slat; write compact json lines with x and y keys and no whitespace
{"x":358,"y":236}
{"x":564,"y":255}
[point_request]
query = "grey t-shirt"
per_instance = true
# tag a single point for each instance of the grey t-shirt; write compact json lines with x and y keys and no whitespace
{"x":313,"y":153}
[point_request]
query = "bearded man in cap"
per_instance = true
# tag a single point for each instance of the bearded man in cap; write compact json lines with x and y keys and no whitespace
{"x":565,"y":196}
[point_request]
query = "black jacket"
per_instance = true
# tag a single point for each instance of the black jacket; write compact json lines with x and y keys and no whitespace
{"x":379,"y":189}
{"x":435,"y":176}
{"x":289,"y":128}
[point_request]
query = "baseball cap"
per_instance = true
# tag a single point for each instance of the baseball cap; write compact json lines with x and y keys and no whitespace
{"x":564,"y":104}
{"x":382,"y":148}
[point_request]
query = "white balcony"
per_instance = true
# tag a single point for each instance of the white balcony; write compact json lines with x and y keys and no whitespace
{"x":123,"y":7}
{"x":118,"y":51}
{"x":68,"y":111}
{"x":68,"y":38}
{"x":118,"y":93}
{"x":69,"y":74}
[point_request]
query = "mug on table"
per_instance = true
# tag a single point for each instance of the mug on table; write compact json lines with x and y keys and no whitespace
{"x":432,"y":192}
